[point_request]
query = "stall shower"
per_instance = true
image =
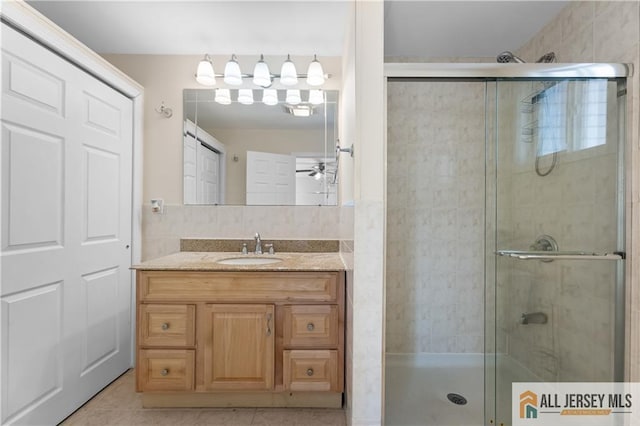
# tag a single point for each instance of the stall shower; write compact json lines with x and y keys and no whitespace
{"x":505,"y":235}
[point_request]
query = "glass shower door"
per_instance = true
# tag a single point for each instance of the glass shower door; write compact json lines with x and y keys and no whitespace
{"x":555,"y":235}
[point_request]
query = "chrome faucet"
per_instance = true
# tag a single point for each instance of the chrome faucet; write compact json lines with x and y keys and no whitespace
{"x":258,"y":244}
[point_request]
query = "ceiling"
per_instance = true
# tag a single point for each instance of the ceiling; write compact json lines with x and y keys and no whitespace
{"x":195,"y":27}
{"x":445,"y":29}
{"x":412,"y":28}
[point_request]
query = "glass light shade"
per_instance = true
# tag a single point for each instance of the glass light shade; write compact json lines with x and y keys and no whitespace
{"x":270,"y":97}
{"x":223,"y":96}
{"x":315,"y":74}
{"x":245,"y":96}
{"x":261,"y":74}
{"x":232,"y":74}
{"x":288,"y":73}
{"x":316,"y":97}
{"x":293,"y":96}
{"x":205,"y":74}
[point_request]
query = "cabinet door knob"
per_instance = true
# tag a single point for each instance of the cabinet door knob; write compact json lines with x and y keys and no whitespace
{"x":164,"y":372}
{"x":310,"y":326}
{"x":165,"y":326}
{"x":310,"y":372}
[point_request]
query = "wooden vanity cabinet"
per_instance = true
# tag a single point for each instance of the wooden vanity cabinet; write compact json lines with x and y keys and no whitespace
{"x":240,"y":338}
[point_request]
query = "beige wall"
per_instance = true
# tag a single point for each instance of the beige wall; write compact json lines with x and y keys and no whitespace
{"x":605,"y":31}
{"x":164,"y":77}
{"x":238,"y":141}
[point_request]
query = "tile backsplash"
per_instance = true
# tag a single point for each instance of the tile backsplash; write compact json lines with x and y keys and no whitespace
{"x":161,"y":233}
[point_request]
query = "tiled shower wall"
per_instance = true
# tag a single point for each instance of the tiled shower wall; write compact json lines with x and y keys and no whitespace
{"x":607,"y":31}
{"x":161,"y":233}
{"x":435,"y":221}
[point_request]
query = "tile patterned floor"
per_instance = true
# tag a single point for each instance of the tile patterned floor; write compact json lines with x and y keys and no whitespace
{"x":118,"y":404}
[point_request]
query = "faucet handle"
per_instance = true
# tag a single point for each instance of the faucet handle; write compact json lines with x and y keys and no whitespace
{"x":271,"y":249}
{"x":244,"y":248}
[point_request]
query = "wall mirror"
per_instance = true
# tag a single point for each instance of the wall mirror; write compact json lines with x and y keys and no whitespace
{"x":242,"y":153}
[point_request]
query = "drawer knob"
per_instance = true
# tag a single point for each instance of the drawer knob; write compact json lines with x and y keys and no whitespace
{"x":165,"y":325}
{"x":310,"y":326}
{"x":310,"y":372}
{"x":164,"y":372}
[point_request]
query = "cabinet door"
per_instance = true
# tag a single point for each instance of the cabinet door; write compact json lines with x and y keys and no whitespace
{"x":239,"y":347}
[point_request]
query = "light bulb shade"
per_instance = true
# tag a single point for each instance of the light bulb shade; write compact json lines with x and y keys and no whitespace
{"x":315,"y":74}
{"x":293,"y":96}
{"x":288,"y":73}
{"x":223,"y":96}
{"x":245,"y":96}
{"x":261,"y":74}
{"x":232,"y":74}
{"x":205,"y":74}
{"x":270,"y":97}
{"x":316,"y":97}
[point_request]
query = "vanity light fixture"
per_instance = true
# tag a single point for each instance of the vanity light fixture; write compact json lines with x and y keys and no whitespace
{"x":261,"y":76}
{"x":315,"y":74}
{"x":223,"y":96}
{"x":294,"y":103}
{"x":293,"y":97}
{"x":270,"y":97}
{"x":316,"y":97}
{"x":288,"y":73}
{"x":245,"y":96}
{"x":205,"y":74}
{"x":232,"y":74}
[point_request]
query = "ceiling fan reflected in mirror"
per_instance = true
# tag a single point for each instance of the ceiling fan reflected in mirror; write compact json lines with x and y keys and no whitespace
{"x":317,"y":171}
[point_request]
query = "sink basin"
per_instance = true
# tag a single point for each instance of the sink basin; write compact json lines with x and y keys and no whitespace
{"x":249,"y":261}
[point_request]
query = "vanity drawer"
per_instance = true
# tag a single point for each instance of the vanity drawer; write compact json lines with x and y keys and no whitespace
{"x":167,"y":325}
{"x":311,"y":370}
{"x":159,"y":286}
{"x":310,"y":326}
{"x":165,"y":370}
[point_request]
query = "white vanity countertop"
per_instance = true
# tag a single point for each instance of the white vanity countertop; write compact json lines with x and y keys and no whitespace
{"x":207,"y":261}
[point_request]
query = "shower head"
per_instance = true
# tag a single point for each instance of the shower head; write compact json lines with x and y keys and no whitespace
{"x":547,"y":58}
{"x":506,"y":57}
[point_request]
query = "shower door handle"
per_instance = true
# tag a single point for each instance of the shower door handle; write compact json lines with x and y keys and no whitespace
{"x":560,"y":255}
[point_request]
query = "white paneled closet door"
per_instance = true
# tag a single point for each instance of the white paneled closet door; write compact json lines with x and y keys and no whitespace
{"x":66,"y":234}
{"x":271,"y":179}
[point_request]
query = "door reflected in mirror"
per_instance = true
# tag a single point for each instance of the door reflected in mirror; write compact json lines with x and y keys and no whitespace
{"x":259,"y":153}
